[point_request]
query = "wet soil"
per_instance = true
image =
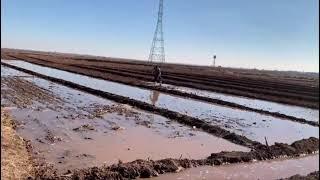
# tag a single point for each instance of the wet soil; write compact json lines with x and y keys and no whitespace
{"x":70,"y":120}
{"x":181,"y":118}
{"x":149,"y":168}
{"x":253,"y":125}
{"x":183,"y":94}
{"x":278,"y":90}
{"x":263,"y":170}
{"x":13,"y":85}
{"x":311,"y":176}
{"x":64,"y":133}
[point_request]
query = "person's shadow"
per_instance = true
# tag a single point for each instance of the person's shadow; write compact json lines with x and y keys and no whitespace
{"x":154,"y":96}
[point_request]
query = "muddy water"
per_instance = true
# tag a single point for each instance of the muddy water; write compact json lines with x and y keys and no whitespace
{"x":290,"y":110}
{"x":260,"y":170}
{"x":138,"y":134}
{"x":253,"y":125}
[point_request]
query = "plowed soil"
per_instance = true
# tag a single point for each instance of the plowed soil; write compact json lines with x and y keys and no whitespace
{"x":300,"y":90}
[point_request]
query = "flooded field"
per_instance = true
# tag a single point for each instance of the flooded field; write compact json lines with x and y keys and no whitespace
{"x":76,"y":131}
{"x":65,"y":129}
{"x":250,"y":124}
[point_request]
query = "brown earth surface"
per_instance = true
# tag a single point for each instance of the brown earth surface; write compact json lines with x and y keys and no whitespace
{"x":20,"y":164}
{"x":149,"y":168}
{"x":300,"y":89}
{"x":181,"y":118}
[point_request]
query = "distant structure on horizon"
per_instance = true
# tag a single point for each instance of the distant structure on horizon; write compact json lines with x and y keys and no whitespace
{"x":214,"y":60}
{"x":157,"y":48}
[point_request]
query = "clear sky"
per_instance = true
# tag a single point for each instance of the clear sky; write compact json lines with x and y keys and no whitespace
{"x":264,"y":34}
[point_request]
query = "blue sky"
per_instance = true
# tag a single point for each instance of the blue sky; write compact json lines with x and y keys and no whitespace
{"x":264,"y":34}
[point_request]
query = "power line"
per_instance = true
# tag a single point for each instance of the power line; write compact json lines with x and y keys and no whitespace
{"x":157,"y":48}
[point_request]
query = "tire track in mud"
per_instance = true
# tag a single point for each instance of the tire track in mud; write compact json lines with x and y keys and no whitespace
{"x":149,"y":168}
{"x":181,"y":118}
{"x":185,"y":94}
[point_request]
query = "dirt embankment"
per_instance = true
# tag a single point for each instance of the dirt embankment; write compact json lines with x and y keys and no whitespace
{"x":278,"y":90}
{"x":149,"y":168}
{"x":311,"y":176}
{"x":16,"y":160}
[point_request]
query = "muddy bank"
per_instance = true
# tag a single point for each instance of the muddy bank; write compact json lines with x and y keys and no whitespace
{"x":149,"y":168}
{"x":183,"y":119}
{"x":311,"y":176}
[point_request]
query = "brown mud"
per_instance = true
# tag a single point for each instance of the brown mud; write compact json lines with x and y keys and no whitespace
{"x":149,"y":168}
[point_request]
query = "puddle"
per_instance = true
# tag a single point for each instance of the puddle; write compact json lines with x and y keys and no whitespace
{"x":290,"y":110}
{"x":253,"y":125}
{"x":274,"y":169}
{"x":71,"y":135}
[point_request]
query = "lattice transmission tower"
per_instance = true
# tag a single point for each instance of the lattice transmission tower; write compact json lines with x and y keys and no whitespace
{"x":157,"y":48}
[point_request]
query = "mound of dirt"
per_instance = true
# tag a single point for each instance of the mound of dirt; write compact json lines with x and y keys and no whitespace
{"x":150,"y":168}
{"x":311,"y":176}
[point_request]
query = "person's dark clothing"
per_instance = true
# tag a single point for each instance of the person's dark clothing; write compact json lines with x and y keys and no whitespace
{"x":157,"y":74}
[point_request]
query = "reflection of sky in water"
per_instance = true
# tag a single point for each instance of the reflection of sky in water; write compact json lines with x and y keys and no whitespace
{"x":254,"y":125}
{"x":296,"y":111}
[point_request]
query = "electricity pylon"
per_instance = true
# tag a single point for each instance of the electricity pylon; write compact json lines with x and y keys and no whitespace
{"x":157,"y":48}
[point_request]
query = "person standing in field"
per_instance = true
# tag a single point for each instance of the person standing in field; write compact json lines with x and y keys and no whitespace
{"x":157,"y":74}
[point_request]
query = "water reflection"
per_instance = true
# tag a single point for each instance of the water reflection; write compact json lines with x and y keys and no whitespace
{"x":154,"y":96}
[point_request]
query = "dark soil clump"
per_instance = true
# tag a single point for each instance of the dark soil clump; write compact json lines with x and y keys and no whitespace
{"x":311,"y":176}
{"x":150,"y":168}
